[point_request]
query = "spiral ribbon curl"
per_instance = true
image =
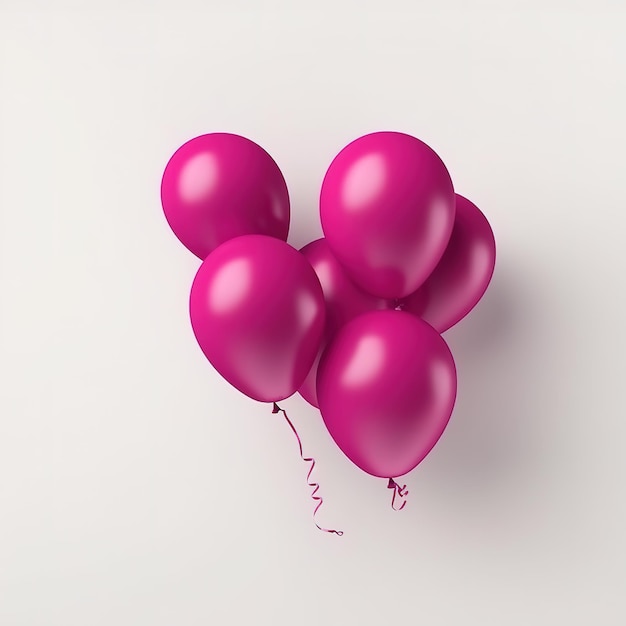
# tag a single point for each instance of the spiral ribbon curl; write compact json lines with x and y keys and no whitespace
{"x":315,"y":486}
{"x":402,"y":492}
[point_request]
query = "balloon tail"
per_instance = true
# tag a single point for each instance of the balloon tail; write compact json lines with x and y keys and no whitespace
{"x":311,"y":460}
{"x":402,"y":492}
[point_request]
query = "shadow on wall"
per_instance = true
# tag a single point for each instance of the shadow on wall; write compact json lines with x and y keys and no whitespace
{"x":494,"y":448}
{"x":491,"y":444}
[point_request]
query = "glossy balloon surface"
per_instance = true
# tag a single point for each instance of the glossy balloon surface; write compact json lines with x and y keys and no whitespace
{"x":344,"y":301}
{"x":220,"y":186}
{"x":386,"y":389}
{"x":387,"y":210}
{"x":257,"y":311}
{"x":462,"y":276}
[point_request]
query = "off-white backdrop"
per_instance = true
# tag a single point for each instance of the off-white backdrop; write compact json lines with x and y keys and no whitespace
{"x":137,"y":488}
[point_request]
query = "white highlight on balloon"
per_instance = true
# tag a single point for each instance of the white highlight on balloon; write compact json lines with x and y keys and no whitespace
{"x":307,"y":308}
{"x":364,"y":182}
{"x":324,"y":275}
{"x":480,"y":257}
{"x":442,"y":379}
{"x":277,"y":206}
{"x":366,"y":362}
{"x":198,"y":177}
{"x":230,"y":285}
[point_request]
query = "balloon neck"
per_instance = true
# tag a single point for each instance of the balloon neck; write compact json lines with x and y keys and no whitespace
{"x":398,"y":306}
{"x":276,"y":408}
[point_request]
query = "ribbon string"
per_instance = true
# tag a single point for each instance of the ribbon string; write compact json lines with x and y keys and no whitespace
{"x":315,"y":486}
{"x":402,"y":492}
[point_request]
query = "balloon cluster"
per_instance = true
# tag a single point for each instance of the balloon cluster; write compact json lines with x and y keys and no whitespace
{"x":353,"y":321}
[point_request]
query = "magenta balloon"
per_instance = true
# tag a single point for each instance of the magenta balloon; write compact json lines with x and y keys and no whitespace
{"x":386,"y":388}
{"x":219,"y":186}
{"x":463,"y":274}
{"x":387,"y":210}
{"x":257,"y":311}
{"x":344,"y":301}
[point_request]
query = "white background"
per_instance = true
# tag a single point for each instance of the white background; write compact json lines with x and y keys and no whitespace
{"x":138,"y":488}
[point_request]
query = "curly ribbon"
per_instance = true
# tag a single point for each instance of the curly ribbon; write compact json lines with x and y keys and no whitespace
{"x":399,"y":491}
{"x":311,"y":460}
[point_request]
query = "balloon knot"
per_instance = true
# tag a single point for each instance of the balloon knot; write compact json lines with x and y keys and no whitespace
{"x":401,"y":492}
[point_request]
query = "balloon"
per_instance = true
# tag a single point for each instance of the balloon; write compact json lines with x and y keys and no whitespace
{"x":387,"y":210}
{"x":257,"y":311}
{"x":219,"y":186}
{"x":463,"y":274}
{"x":344,"y":301}
{"x":386,"y":388}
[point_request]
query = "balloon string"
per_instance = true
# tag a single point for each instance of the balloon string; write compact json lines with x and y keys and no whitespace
{"x":311,"y":460}
{"x":402,"y":492}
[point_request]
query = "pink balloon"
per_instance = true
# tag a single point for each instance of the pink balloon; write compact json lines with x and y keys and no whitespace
{"x":463,"y":274}
{"x":257,"y":311}
{"x":386,"y":388}
{"x":219,"y":186}
{"x":344,"y":301}
{"x":387,"y":210}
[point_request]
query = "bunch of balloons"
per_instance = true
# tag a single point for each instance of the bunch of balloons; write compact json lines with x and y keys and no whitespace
{"x":353,"y":321}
